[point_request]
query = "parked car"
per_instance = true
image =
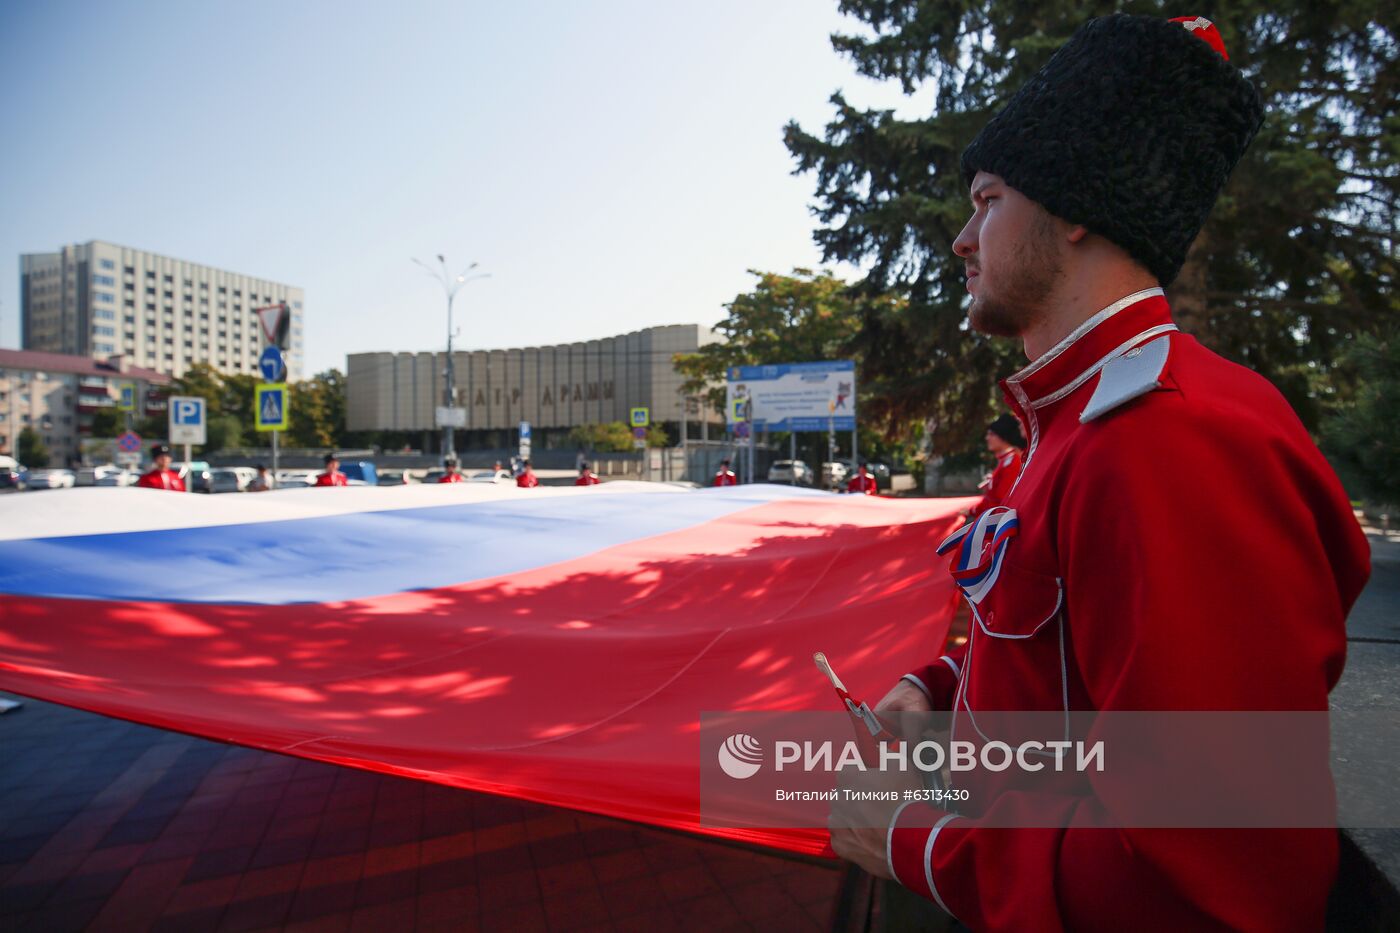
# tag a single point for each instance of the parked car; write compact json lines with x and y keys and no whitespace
{"x":833,"y":474}
{"x":395,"y":478}
{"x":360,"y":473}
{"x":12,"y":478}
{"x":502,"y":477}
{"x":118,"y":477}
{"x":196,"y":474}
{"x":792,"y":472}
{"x":295,"y":479}
{"x":232,"y":479}
{"x":51,"y":479}
{"x":89,"y":476}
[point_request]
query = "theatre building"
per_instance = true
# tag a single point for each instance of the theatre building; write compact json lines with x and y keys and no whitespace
{"x":554,"y":388}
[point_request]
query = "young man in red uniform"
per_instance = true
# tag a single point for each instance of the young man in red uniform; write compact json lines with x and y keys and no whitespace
{"x":451,"y":473}
{"x":331,"y":476}
{"x":863,"y":482}
{"x":1005,"y":442}
{"x":527,"y":478}
{"x":161,"y":476}
{"x":586,"y":477}
{"x":725,"y":476}
{"x":1128,"y":587}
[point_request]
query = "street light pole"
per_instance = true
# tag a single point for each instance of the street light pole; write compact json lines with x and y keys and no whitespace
{"x":450,"y":285}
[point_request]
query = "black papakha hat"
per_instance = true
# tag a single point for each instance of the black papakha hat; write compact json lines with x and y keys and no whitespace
{"x":1131,"y":130}
{"x":1008,"y":429}
{"x":329,"y":457}
{"x":159,"y":450}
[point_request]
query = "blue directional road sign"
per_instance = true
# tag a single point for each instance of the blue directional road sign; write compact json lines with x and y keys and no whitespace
{"x":524,"y":430}
{"x":273,"y":366}
{"x":270,"y":406}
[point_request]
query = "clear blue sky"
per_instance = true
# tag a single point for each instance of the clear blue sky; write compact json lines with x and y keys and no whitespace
{"x":612,"y":165}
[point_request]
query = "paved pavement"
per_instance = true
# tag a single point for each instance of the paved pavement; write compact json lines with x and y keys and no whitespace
{"x":110,"y":826}
{"x":1372,"y":677}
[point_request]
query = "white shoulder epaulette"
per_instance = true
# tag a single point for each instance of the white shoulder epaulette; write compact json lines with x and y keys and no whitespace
{"x":1124,"y":378}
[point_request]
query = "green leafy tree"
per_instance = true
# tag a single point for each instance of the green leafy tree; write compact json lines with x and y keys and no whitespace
{"x":318,"y":410}
{"x":1362,"y":436}
{"x":32,"y":451}
{"x":609,"y":437}
{"x":108,"y":422}
{"x":222,"y":432}
{"x":1296,"y":259}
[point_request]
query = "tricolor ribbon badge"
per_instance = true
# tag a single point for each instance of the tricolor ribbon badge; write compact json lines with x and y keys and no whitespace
{"x":981,"y":547}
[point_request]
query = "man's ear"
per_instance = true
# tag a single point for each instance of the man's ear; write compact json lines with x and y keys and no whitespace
{"x":1077,"y":233}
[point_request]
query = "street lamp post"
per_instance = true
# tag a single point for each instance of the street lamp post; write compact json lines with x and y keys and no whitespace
{"x":450,"y":285}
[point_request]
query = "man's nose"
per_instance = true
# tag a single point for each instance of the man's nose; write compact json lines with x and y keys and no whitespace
{"x":966,"y":243}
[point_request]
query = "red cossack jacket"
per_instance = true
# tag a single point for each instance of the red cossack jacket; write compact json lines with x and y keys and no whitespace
{"x":1182,"y":545}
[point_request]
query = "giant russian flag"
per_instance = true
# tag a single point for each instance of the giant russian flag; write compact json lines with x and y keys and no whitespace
{"x":556,"y":645}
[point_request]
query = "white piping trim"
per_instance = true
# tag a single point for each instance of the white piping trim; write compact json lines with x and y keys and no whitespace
{"x":928,"y":861}
{"x":920,"y":684}
{"x":889,"y":839}
{"x":1117,"y":351}
{"x":1013,"y":382}
{"x":1049,"y":355}
{"x":957,"y":671}
{"x":1059,"y":601}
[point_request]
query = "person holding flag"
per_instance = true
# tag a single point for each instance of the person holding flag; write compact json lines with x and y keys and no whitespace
{"x":1109,"y":579}
{"x":725,"y":476}
{"x":586,"y":477}
{"x":1005,"y":442}
{"x":451,"y":472}
{"x":332,"y":476}
{"x":863,"y":482}
{"x":160,"y":476}
{"x":527,"y":478}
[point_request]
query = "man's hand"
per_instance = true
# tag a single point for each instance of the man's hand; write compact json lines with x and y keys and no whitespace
{"x":904,"y":698}
{"x":859,"y":827}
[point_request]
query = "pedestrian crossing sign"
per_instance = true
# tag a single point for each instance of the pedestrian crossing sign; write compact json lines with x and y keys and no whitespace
{"x":270,"y":406}
{"x":126,"y":401}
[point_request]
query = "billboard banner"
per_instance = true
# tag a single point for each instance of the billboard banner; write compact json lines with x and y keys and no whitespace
{"x":794,"y":396}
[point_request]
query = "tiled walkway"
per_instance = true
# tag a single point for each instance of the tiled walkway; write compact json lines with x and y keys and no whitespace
{"x":106,"y":825}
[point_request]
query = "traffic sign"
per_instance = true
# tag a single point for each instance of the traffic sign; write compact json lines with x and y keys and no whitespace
{"x":129,"y":442}
{"x":639,"y":433}
{"x":273,"y":366}
{"x":446,"y":417}
{"x":126,"y":401}
{"x":524,"y":430}
{"x":187,"y":420}
{"x":270,"y":406}
{"x":641,"y":417}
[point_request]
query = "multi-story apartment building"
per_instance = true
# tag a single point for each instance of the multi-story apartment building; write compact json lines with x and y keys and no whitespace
{"x":99,"y":300}
{"x":58,"y":394}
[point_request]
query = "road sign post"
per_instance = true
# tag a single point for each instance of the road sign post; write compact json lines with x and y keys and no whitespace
{"x":188,"y":421}
{"x":271,"y":414}
{"x":524,"y":440}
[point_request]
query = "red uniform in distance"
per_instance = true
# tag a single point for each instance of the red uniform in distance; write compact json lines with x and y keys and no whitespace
{"x":863,"y":482}
{"x":332,"y":479}
{"x":1000,"y":483}
{"x":452,"y":478}
{"x":161,"y":479}
{"x":527,"y":480}
{"x":587,"y":478}
{"x":1155,"y":569}
{"x":726,"y":478}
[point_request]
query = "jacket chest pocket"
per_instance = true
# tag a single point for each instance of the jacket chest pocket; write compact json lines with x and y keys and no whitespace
{"x":1019,"y":605}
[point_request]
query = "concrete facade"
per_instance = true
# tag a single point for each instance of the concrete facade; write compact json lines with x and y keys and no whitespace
{"x":555,"y":387}
{"x":99,"y":300}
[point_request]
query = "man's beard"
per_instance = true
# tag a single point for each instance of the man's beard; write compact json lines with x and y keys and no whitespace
{"x":1025,"y":282}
